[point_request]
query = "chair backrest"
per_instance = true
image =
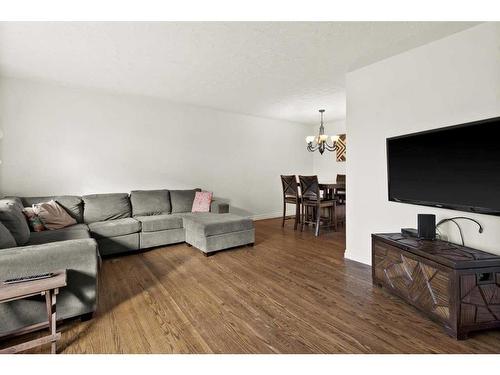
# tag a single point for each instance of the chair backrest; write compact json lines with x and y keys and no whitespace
{"x":310,"y":187}
{"x":341,"y":179}
{"x":289,"y":184}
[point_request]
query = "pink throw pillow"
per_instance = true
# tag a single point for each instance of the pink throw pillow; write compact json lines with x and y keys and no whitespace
{"x":202,"y":200}
{"x":53,"y":216}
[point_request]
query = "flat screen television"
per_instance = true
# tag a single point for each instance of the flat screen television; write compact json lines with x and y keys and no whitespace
{"x":456,"y":167}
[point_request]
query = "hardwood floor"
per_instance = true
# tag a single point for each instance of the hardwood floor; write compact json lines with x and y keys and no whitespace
{"x":290,"y":293}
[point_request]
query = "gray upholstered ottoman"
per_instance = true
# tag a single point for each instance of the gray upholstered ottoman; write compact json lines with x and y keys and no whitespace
{"x":213,"y":232}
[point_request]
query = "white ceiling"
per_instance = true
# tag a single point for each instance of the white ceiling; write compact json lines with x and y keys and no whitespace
{"x":278,"y":70}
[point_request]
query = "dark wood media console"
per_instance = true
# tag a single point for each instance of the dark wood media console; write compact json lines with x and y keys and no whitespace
{"x":456,"y":286}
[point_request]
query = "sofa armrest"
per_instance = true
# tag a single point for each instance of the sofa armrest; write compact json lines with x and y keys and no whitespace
{"x":219,"y":207}
{"x":78,"y":257}
{"x":81,"y":255}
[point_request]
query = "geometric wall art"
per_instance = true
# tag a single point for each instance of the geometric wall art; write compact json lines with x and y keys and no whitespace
{"x":341,"y":147}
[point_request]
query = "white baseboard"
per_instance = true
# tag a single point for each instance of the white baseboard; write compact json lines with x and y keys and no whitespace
{"x":364,"y":260}
{"x":269,"y":215}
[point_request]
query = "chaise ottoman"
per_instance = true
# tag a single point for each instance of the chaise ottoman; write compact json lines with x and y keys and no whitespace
{"x":211,"y":232}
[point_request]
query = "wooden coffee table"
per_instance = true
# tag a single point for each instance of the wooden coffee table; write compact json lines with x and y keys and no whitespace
{"x":46,"y":287}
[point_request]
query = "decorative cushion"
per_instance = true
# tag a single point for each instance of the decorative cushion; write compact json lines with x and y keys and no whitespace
{"x":115,"y":228}
{"x":71,"y":203}
{"x":11,"y":215}
{"x":102,"y":207}
{"x":202,"y":200}
{"x":53,"y":216}
{"x":6,"y":238}
{"x":182,"y":200}
{"x":150,"y":202}
{"x":157,"y":223}
{"x":34,"y":221}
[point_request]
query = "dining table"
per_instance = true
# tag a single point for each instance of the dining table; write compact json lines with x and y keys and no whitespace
{"x":330,"y":189}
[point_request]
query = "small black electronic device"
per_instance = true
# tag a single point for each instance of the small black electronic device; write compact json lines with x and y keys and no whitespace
{"x":29,"y":278}
{"x":426,"y":224}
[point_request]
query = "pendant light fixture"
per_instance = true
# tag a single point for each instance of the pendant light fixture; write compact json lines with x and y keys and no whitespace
{"x":320,"y":141}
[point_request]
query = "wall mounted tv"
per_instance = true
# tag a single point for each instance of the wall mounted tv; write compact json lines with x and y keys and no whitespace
{"x":455,"y":167}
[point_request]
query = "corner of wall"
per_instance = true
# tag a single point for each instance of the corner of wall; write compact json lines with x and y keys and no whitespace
{"x":354,"y":256}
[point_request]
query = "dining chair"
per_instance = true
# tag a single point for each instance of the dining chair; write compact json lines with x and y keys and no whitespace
{"x":290,"y":196}
{"x":340,"y":197}
{"x":311,"y":199}
{"x":340,"y":193}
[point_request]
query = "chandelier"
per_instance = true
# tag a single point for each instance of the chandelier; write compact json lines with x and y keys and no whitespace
{"x":320,"y":142}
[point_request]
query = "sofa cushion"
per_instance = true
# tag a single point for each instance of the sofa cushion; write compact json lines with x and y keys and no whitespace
{"x":209,"y":224}
{"x":150,"y":202}
{"x":182,"y":200}
{"x":202,"y":201}
{"x":160,"y":222}
{"x":102,"y":207}
{"x":53,"y":215}
{"x":34,"y":222}
{"x":73,"y":205}
{"x":78,"y":227}
{"x":11,"y":215}
{"x":120,"y":244}
{"x":6,"y":238}
{"x":65,"y":234}
{"x":114,"y":228}
{"x":14,"y":200}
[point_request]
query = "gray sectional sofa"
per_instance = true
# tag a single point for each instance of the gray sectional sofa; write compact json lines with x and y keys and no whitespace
{"x":107,"y":224}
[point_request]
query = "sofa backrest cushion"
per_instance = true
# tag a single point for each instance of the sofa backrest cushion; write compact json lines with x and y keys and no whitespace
{"x":150,"y":202}
{"x":12,"y":217}
{"x":102,"y":207}
{"x":182,"y":200}
{"x":14,"y":200}
{"x":6,"y":238}
{"x":73,"y":205}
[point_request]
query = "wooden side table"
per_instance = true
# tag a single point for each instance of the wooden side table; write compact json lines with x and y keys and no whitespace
{"x":46,"y":287}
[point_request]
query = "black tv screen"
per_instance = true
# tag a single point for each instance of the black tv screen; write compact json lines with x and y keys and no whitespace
{"x":456,"y":167}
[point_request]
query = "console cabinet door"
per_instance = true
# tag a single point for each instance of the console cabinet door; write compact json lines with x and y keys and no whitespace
{"x":480,"y":298}
{"x":421,"y":282}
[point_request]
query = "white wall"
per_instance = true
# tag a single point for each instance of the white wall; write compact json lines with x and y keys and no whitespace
{"x":326,"y":166}
{"x":61,"y":140}
{"x":450,"y":81}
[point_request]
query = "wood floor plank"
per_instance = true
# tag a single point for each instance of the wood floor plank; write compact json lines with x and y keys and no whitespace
{"x":290,"y":293}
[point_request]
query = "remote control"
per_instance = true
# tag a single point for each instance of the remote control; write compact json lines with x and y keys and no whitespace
{"x":29,"y":278}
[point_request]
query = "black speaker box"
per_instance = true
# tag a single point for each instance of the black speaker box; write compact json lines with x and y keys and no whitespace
{"x":426,"y":226}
